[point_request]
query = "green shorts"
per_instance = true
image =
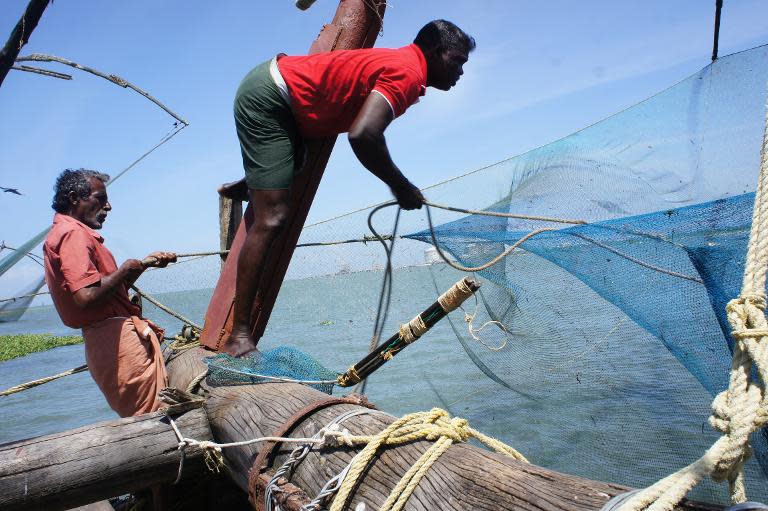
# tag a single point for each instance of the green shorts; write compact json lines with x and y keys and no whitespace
{"x":267,"y":131}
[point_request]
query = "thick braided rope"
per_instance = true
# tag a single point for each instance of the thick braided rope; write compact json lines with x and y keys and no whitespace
{"x":436,"y":426}
{"x":743,"y":408}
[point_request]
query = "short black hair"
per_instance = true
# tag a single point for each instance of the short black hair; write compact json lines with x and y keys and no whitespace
{"x":443,"y":35}
{"x":74,"y":180}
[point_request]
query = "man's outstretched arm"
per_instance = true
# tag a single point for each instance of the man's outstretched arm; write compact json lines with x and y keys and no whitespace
{"x":127,"y":273}
{"x":366,"y":136}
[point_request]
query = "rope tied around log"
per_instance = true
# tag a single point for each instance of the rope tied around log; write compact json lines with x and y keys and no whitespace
{"x":435,"y":425}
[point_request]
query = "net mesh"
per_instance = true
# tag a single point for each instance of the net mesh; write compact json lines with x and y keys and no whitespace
{"x":284,"y":363}
{"x":612,"y":334}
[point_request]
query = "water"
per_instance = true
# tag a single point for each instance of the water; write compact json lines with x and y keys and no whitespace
{"x":622,"y":423}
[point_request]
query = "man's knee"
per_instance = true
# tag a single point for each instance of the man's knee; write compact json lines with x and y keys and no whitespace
{"x":274,"y":219}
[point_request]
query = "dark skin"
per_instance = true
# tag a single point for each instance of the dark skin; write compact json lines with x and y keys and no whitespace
{"x":272,"y":208}
{"x":92,"y":211}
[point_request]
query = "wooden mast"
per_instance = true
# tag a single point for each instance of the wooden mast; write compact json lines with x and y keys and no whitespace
{"x":355,"y":25}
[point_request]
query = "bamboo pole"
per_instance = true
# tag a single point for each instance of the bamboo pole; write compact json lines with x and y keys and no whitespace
{"x":20,"y":35}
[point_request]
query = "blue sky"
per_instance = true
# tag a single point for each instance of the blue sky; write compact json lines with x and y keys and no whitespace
{"x":541,"y":70}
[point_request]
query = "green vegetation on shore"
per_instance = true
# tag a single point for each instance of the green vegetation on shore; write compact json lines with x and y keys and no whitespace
{"x":13,"y":346}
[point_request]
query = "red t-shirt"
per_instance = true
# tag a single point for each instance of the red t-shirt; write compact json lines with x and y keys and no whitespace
{"x":75,"y":257}
{"x":328,"y":89}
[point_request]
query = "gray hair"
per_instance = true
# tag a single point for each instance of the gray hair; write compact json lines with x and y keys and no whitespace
{"x":74,"y":180}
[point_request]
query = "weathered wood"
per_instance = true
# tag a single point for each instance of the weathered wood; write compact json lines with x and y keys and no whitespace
{"x":99,"y":461}
{"x":465,"y":477}
{"x":20,"y":35}
{"x":185,"y":366}
{"x":230,"y":215}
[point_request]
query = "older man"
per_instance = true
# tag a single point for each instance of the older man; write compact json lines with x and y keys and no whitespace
{"x":291,"y":98}
{"x":90,"y":292}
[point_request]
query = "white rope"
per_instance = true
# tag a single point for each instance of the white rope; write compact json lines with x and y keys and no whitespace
{"x":473,"y":332}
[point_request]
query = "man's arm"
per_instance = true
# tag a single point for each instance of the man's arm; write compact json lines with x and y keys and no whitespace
{"x":366,"y":136}
{"x":127,"y":273}
{"x":99,"y":291}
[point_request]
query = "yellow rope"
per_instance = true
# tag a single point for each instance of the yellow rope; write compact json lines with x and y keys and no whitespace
{"x":742,"y":408}
{"x":196,"y":381}
{"x":436,"y":426}
{"x":35,"y":383}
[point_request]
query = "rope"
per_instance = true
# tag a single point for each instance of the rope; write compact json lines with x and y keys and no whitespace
{"x":436,"y":426}
{"x":212,"y":450}
{"x":35,"y":383}
{"x":470,"y":318}
{"x":742,"y":408}
{"x":196,"y":381}
{"x":166,"y":309}
{"x":506,"y":215}
{"x":20,"y":297}
{"x":385,"y":294}
{"x":488,"y":264}
{"x":298,"y":455}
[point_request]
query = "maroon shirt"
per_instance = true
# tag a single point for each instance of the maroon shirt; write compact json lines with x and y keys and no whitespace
{"x":75,"y":257}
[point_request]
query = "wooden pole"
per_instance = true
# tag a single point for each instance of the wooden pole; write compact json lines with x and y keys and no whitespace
{"x":20,"y":35}
{"x":95,"y":462}
{"x":716,"y":35}
{"x":230,"y":215}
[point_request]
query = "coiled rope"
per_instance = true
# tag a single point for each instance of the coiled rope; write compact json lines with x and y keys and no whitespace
{"x":436,"y":426}
{"x":742,"y":408}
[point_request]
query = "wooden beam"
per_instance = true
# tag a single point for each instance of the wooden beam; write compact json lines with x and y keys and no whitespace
{"x":230,"y":215}
{"x":20,"y":35}
{"x":92,"y":463}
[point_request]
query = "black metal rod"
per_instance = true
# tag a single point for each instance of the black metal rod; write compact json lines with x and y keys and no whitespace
{"x":718,"y":8}
{"x":395,"y":344}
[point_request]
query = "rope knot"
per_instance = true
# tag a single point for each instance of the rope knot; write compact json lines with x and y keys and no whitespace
{"x":335,"y":435}
{"x":214,"y":460}
{"x":742,"y":303}
{"x":736,"y":417}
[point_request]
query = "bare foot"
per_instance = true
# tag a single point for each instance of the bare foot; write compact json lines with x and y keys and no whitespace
{"x":236,"y":190}
{"x":239,"y":343}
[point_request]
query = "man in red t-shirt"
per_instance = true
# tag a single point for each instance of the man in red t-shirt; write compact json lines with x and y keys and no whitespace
{"x":287,"y":99}
{"x":90,"y":292}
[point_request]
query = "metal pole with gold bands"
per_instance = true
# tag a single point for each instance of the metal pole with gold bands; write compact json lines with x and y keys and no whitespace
{"x":410,"y":331}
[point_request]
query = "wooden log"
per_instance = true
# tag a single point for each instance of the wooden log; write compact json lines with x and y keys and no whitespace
{"x":465,"y":477}
{"x":92,"y":463}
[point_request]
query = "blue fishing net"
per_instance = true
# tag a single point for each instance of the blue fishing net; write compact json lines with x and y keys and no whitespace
{"x":283,"y":363}
{"x":621,"y":321}
{"x":610,"y":338}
